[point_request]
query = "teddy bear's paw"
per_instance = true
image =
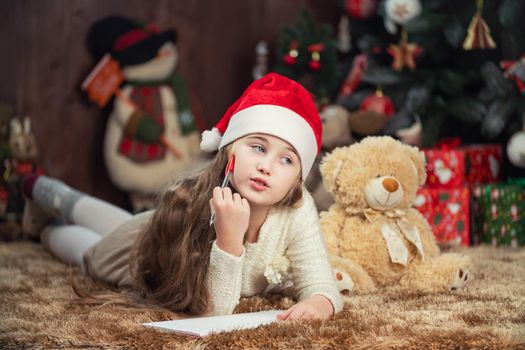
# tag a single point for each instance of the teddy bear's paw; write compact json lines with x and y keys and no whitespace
{"x":344,"y":281}
{"x":460,"y":279}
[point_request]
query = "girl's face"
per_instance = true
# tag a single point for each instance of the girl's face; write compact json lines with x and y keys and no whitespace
{"x":266,"y":168}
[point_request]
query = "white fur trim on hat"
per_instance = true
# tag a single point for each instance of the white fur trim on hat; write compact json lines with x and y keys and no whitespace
{"x":211,"y":140}
{"x":276,"y":121}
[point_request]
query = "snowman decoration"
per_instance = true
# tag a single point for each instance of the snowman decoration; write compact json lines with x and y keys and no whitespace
{"x":400,"y":12}
{"x":151,"y":133}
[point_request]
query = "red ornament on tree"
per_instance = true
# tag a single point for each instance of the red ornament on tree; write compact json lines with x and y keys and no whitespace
{"x":314,"y":65}
{"x":290,"y":58}
{"x":378,"y":103}
{"x":361,"y":9}
{"x":315,"y":51}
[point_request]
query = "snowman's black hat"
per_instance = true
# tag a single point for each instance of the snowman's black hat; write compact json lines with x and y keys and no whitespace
{"x":127,"y":41}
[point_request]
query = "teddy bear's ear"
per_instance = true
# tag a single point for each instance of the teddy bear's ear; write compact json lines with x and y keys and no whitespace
{"x":418,"y":162}
{"x":330,"y":167}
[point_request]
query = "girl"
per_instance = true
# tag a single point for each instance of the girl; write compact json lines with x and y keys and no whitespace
{"x":266,"y":226}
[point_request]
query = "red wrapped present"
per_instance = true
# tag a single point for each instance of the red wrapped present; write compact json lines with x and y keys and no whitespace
{"x":483,"y":163}
{"x":3,"y":200}
{"x":450,"y":166}
{"x":447,"y":212}
{"x":445,"y":165}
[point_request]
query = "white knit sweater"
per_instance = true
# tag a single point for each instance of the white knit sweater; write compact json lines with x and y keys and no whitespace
{"x":292,"y":233}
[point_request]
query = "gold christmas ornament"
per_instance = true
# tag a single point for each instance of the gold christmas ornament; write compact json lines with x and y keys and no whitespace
{"x":478,"y":36}
{"x":404,"y":54}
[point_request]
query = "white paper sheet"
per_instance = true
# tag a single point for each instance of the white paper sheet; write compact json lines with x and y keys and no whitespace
{"x":202,"y":326}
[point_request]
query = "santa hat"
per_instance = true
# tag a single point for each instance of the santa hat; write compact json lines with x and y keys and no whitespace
{"x":273,"y":105}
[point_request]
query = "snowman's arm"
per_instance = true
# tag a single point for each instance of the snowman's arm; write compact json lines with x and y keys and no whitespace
{"x":133,"y":120}
{"x":124,"y":107}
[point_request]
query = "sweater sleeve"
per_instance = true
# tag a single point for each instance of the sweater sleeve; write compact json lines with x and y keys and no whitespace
{"x":311,"y":270}
{"x":224,"y":280}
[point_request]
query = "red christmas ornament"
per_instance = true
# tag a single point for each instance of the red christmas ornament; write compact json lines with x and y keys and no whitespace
{"x":361,"y":9}
{"x":314,"y":65}
{"x":378,"y":103}
{"x":315,"y":52}
{"x":290,"y":58}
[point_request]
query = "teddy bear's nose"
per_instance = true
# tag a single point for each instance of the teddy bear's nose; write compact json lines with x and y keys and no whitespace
{"x":390,"y":184}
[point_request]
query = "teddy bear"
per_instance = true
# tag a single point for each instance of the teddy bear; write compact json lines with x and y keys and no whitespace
{"x":374,"y":237}
{"x":152,"y":132}
{"x":339,"y":125}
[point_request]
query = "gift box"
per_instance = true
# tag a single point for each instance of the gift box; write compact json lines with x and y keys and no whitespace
{"x":445,"y":168}
{"x":498,"y":214}
{"x":483,"y":163}
{"x":3,"y":201}
{"x":450,"y":166}
{"x":447,"y":212}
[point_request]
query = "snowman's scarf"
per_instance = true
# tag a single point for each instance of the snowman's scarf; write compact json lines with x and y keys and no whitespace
{"x":146,"y":95}
{"x":184,"y":110}
{"x":148,"y":100}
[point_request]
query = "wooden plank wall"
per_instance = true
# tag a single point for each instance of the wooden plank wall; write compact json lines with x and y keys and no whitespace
{"x":44,"y":59}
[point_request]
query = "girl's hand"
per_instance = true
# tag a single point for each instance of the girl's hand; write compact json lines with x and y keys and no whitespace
{"x":317,"y":306}
{"x":232,"y":216}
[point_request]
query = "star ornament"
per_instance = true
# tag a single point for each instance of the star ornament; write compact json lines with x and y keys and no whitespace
{"x":404,"y":55}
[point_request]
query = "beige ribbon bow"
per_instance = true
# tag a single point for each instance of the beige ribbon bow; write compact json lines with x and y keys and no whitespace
{"x":391,"y":233}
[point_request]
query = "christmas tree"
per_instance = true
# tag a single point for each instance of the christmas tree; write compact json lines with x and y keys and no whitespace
{"x":307,"y":53}
{"x":440,"y":68}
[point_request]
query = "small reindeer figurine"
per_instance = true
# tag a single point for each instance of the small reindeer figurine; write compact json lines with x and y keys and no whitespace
{"x":22,"y":142}
{"x":21,"y":162}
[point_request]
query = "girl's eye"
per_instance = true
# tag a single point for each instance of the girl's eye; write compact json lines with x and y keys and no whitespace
{"x":258,"y":148}
{"x":378,"y":175}
{"x":287,"y":160}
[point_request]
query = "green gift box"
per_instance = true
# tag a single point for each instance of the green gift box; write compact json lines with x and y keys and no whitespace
{"x":520,"y":181}
{"x":498,"y":213}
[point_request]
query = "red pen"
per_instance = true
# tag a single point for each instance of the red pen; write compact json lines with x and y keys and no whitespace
{"x":227,"y":172}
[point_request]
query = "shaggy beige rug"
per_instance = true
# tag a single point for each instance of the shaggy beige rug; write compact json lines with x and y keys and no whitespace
{"x":36,"y":312}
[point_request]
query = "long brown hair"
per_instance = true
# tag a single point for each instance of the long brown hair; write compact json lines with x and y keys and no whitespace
{"x":170,"y":259}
